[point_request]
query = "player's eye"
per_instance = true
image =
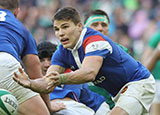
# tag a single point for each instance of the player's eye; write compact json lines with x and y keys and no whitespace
{"x":65,"y":27}
{"x":104,"y":24}
{"x":94,"y":24}
{"x":56,"y":29}
{"x":42,"y":60}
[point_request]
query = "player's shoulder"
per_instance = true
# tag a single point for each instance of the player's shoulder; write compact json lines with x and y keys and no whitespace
{"x":6,"y":15}
{"x":8,"y":18}
{"x":92,"y":34}
{"x":61,"y":49}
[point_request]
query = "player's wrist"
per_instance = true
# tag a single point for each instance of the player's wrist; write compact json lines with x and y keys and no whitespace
{"x":30,"y":84}
{"x":158,"y":47}
{"x":62,"y":79}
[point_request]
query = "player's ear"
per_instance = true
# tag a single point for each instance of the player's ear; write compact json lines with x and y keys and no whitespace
{"x":80,"y":26}
{"x":16,"y":11}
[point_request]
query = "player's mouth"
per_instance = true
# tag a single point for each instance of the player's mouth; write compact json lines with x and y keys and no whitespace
{"x":64,"y":41}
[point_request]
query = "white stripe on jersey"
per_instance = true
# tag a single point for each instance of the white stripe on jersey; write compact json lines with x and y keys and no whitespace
{"x":74,"y":50}
{"x":76,"y":58}
{"x":98,"y":45}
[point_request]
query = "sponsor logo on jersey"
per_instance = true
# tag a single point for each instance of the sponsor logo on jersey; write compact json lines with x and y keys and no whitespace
{"x":100,"y":80}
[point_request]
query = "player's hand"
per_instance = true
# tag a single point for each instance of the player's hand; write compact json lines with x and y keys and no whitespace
{"x":158,"y":47}
{"x":53,"y":79}
{"x":38,"y":85}
{"x":22,"y":78}
{"x":57,"y":106}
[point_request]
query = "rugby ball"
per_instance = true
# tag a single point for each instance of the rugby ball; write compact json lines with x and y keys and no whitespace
{"x":8,"y":103}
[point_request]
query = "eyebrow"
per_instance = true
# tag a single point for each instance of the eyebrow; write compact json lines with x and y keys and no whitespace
{"x":61,"y":25}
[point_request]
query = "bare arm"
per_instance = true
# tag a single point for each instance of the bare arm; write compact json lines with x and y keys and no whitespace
{"x":147,"y":53}
{"x":32,"y":66}
{"x":56,"y":68}
{"x":151,"y":62}
{"x":90,"y":67}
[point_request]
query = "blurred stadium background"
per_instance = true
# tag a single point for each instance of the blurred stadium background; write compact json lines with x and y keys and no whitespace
{"x":133,"y":22}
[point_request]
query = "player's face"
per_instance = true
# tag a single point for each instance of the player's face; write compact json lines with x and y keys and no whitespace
{"x":45,"y":63}
{"x":67,"y":32}
{"x":100,"y":26}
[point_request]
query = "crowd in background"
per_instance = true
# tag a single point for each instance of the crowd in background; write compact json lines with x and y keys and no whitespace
{"x":133,"y":22}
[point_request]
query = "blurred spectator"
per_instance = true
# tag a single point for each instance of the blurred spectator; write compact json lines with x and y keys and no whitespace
{"x":132,"y":21}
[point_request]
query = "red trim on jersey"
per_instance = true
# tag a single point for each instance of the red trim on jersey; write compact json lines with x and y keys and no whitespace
{"x":75,"y":97}
{"x":91,"y":39}
{"x":67,"y":70}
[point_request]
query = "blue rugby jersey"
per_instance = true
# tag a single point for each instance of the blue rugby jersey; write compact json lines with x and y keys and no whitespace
{"x":118,"y":67}
{"x":79,"y":93}
{"x":15,"y":39}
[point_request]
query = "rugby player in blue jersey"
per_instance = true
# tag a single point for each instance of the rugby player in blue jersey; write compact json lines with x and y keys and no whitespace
{"x":17,"y":45}
{"x":70,"y":99}
{"x":95,"y":57}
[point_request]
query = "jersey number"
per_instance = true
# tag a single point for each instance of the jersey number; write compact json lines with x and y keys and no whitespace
{"x":2,"y":15}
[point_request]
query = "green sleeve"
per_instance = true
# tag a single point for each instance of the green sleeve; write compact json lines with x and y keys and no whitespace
{"x":154,"y":40}
{"x":103,"y":92}
{"x":124,"y":48}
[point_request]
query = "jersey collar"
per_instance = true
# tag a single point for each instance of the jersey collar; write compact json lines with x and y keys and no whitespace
{"x":79,"y":43}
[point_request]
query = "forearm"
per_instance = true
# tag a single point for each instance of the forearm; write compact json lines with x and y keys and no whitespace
{"x":86,"y":73}
{"x":31,"y":64}
{"x":147,"y":53}
{"x":153,"y":60}
{"x":77,"y":77}
{"x":40,"y":85}
{"x":46,"y":99}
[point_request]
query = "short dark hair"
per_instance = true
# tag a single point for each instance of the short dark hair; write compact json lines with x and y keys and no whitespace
{"x":9,"y":4}
{"x":95,"y":12}
{"x":46,"y":49}
{"x":67,"y":13}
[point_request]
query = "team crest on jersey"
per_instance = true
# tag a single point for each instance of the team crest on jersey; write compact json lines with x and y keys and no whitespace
{"x":72,"y":67}
{"x":94,"y":46}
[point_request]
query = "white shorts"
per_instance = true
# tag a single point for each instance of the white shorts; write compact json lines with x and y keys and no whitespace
{"x":75,"y":108}
{"x":9,"y":65}
{"x":103,"y":109}
{"x":156,"y":99}
{"x":138,"y":97}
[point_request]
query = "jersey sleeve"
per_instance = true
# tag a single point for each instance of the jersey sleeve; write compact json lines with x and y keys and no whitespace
{"x":60,"y":93}
{"x":155,"y":39}
{"x":30,"y":46}
{"x":97,"y":46}
{"x":57,"y":58}
{"x":90,"y":98}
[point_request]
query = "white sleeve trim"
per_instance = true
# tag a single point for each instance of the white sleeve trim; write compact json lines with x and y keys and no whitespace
{"x":98,"y":45}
